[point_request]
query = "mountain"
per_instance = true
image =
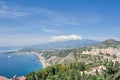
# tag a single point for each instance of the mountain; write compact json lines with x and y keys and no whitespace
{"x":65,"y":44}
{"x":109,"y":43}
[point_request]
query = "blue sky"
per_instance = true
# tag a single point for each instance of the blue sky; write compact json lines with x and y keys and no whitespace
{"x":28,"y":22}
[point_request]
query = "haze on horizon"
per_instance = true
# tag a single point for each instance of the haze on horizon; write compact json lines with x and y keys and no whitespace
{"x":24,"y":22}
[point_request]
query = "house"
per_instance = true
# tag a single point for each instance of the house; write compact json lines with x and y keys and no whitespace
{"x":18,"y":78}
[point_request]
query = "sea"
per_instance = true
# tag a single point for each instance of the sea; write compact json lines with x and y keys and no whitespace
{"x":18,"y":64}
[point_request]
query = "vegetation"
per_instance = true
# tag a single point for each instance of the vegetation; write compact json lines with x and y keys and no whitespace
{"x":109,"y":43}
{"x":82,"y":67}
{"x":76,"y":71}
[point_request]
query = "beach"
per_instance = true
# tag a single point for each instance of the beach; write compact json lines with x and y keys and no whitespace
{"x":42,"y":59}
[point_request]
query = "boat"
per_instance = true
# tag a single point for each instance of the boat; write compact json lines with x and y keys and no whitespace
{"x":9,"y":56}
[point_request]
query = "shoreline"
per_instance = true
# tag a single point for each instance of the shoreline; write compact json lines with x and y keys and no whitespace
{"x":42,"y":59}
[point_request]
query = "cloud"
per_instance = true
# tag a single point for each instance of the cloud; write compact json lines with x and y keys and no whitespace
{"x":65,"y":38}
{"x":30,"y":39}
{"x":33,"y":17}
{"x":12,"y":12}
{"x":56,"y":17}
{"x":49,"y":30}
{"x":15,"y":11}
{"x":44,"y":16}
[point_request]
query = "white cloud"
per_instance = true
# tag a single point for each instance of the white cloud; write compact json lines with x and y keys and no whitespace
{"x":56,"y":17}
{"x":65,"y":38}
{"x":49,"y":30}
{"x":12,"y":11}
{"x":26,"y":40}
{"x":53,"y":17}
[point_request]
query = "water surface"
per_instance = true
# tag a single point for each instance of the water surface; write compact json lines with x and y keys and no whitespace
{"x":18,"y":64}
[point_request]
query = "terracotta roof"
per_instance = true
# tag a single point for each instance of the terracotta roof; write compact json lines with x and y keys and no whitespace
{"x":3,"y":78}
{"x":21,"y":78}
{"x":95,"y":68}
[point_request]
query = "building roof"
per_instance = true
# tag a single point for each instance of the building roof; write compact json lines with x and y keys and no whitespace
{"x":21,"y":78}
{"x":3,"y":78}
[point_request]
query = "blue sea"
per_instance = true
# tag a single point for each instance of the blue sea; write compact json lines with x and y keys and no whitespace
{"x":18,"y":64}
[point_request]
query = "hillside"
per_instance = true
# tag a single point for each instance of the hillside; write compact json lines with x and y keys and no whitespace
{"x":78,"y":71}
{"x":72,"y":64}
{"x":109,"y":43}
{"x":109,"y":46}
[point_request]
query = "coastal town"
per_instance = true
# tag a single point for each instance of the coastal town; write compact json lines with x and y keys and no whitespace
{"x":59,"y":39}
{"x":89,"y":56}
{"x":108,"y":53}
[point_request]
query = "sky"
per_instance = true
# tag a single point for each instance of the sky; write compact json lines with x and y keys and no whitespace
{"x":29,"y":22}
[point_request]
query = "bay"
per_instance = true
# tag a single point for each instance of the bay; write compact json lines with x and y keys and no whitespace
{"x":18,"y":64}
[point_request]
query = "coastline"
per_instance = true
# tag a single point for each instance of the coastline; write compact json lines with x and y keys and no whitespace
{"x":42,"y":59}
